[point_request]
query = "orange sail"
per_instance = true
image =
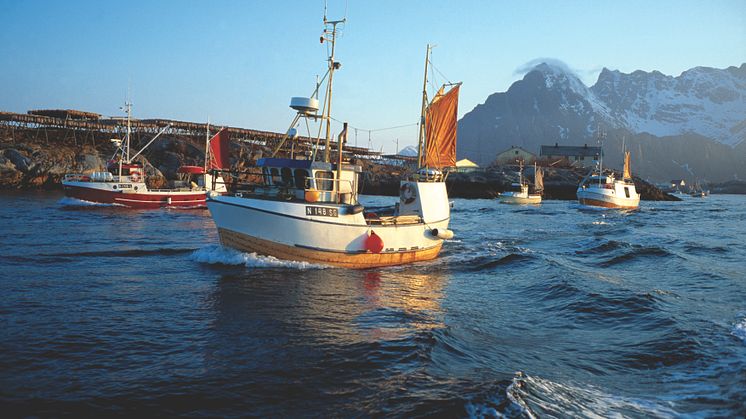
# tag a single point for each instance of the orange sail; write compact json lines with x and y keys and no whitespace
{"x":627,"y":172}
{"x":440,"y":129}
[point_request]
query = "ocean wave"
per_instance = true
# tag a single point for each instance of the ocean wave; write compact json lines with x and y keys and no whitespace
{"x":485,"y":263}
{"x":637,"y":252}
{"x":605,"y":247}
{"x":537,"y":397}
{"x":121,"y":253}
{"x":675,"y":347}
{"x":219,"y":255}
{"x":739,"y":330}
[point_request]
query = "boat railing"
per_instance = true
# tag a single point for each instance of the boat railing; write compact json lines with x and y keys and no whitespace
{"x":266,"y":185}
{"x":95,"y":177}
{"x":335,"y":191}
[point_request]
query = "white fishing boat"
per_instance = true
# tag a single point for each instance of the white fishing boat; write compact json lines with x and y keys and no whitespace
{"x":521,"y":194}
{"x":125,"y":183}
{"x":599,"y":189}
{"x":306,"y":208}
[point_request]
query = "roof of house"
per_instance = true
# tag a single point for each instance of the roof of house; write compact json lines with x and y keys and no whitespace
{"x":466,"y":163}
{"x":516,"y":148}
{"x":564,"y":150}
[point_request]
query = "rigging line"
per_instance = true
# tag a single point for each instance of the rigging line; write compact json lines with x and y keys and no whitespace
{"x":376,"y":129}
{"x":441,"y":74}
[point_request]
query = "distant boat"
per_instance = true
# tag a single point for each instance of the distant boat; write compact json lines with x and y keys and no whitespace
{"x":124,"y":181}
{"x":698,"y":191}
{"x":605,"y":190}
{"x":307,"y":209}
{"x":521,"y":194}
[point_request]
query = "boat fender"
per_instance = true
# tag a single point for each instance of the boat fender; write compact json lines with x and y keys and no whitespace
{"x":374,"y":243}
{"x":311,"y":195}
{"x":355,"y":209}
{"x":168,"y":200}
{"x":444,"y":233}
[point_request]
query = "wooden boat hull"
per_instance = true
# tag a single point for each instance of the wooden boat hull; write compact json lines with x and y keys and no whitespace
{"x":250,"y":244}
{"x":332,"y":234}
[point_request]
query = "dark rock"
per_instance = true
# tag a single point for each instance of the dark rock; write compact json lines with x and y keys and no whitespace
{"x":19,"y":160}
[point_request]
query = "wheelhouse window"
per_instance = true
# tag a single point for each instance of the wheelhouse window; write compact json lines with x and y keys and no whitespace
{"x":287,"y":176}
{"x":324,"y":180}
{"x":300,"y":178}
{"x":275,"y":176}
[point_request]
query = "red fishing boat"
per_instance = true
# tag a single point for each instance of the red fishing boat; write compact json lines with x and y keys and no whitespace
{"x":124,"y":181}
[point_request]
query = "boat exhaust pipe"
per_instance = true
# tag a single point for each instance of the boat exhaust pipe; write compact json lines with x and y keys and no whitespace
{"x":443,"y":233}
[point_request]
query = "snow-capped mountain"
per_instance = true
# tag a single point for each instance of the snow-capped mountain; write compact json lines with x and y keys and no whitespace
{"x":552,"y":105}
{"x":409,"y":150}
{"x":705,"y":101}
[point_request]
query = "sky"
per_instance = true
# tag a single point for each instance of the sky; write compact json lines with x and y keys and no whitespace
{"x":238,"y":63}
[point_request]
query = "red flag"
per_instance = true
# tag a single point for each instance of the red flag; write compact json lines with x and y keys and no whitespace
{"x":220,"y":150}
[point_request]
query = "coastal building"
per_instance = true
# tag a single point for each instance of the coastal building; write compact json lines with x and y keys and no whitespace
{"x":466,"y":165}
{"x":513,"y":155}
{"x":580,"y":156}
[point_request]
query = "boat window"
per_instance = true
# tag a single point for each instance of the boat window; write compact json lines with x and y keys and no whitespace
{"x":265,"y":176}
{"x":626,"y":191}
{"x":275,"y":176}
{"x":287,"y":176}
{"x":324,"y":180}
{"x":300,"y":178}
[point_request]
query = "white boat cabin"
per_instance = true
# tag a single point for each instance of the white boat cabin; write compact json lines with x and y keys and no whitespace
{"x":309,"y":181}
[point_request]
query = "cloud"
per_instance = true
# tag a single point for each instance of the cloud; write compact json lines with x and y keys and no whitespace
{"x":587,"y":76}
{"x":554,"y":62}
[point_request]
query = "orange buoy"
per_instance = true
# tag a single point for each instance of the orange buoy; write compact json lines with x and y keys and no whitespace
{"x":374,"y":242}
{"x":312,"y":195}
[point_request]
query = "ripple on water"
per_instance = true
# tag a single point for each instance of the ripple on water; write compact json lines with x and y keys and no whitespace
{"x":637,"y":252}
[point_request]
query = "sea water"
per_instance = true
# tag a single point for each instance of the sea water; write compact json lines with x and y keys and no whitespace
{"x":550,"y":310}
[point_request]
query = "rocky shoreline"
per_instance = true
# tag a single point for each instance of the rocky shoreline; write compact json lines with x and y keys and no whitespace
{"x":34,"y":159}
{"x":559,"y":183}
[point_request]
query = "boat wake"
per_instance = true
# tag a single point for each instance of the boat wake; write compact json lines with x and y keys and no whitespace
{"x":219,"y":255}
{"x":74,"y":202}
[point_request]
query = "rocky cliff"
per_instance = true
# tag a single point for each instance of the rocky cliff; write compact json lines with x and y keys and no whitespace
{"x":34,"y":159}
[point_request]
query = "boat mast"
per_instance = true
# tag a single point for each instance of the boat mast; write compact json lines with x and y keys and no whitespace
{"x":420,"y":150}
{"x":332,"y":66}
{"x":126,"y":150}
{"x":601,"y":137}
{"x":207,"y":144}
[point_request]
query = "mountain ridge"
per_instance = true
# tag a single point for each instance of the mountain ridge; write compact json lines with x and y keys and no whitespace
{"x":551,"y":104}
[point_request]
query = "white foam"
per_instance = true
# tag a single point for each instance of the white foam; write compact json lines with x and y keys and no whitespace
{"x":217,"y":254}
{"x":536,"y":396}
{"x":74,"y":202}
{"x":739,"y":330}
